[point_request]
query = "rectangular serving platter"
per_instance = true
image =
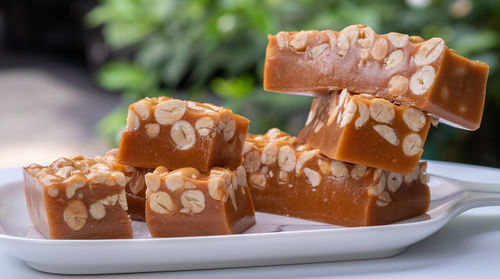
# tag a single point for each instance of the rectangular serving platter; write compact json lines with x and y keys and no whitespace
{"x":273,"y":240}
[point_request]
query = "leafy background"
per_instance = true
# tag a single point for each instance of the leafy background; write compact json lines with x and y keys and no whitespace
{"x":213,"y":51}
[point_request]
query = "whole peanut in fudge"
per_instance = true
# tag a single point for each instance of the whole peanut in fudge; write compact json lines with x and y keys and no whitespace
{"x":186,"y":202}
{"x":77,"y":198}
{"x":176,"y":134}
{"x":290,"y":179}
{"x":365,"y":130}
{"x":401,"y":68}
{"x":135,"y":188}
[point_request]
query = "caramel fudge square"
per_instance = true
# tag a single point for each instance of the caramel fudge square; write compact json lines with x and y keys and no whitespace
{"x":77,"y":198}
{"x":362,"y":129}
{"x":176,"y":134}
{"x":186,"y":202}
{"x":291,"y":179}
{"x":405,"y":69}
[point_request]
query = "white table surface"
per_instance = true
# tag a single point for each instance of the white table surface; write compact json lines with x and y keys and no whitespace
{"x":467,"y":247}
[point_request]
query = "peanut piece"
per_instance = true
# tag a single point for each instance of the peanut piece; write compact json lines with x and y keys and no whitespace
{"x":247,"y":146}
{"x":382,"y":111}
{"x":193,"y":201}
{"x":152,"y":129}
{"x":133,"y":122}
{"x":364,"y":115}
{"x":119,"y":178}
{"x":269,"y":154}
{"x":394,"y":181}
{"x":217,"y":188}
{"x":122,"y":200}
{"x":286,"y":158}
{"x":379,"y":188}
{"x":182,"y":134}
{"x":346,"y":39}
{"x":65,"y":171}
{"x":152,"y":181}
{"x":383,"y":199}
{"x":358,"y":171}
{"x":349,"y":113}
{"x":241,"y":175}
{"x":299,"y":41}
{"x":161,"y":202}
{"x":229,"y":129}
{"x":387,"y":133}
{"x":318,"y":50}
{"x":412,"y":145}
{"x":174,"y":181}
{"x":394,"y":59}
{"x":97,"y":210}
{"x":422,"y":80}
{"x":205,"y":126}
{"x":338,"y":168}
{"x":379,"y":49}
{"x":424,"y":176}
{"x":366,"y":37}
{"x":75,"y":215}
{"x":397,"y":40}
{"x":414,"y":119}
{"x":142,"y":109}
{"x":252,"y":161}
{"x":313,"y":177}
{"x":258,"y":181}
{"x":429,"y":52}
{"x":282,"y":39}
{"x":74,"y":183}
{"x":398,"y":85}
{"x":303,"y":158}
{"x":168,"y":112}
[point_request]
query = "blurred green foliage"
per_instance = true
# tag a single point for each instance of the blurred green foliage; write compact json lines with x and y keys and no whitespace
{"x":195,"y":48}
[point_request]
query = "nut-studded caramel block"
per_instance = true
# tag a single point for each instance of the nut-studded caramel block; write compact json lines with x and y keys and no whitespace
{"x":77,"y":198}
{"x":176,"y":134}
{"x":294,"y":180}
{"x":135,"y":188}
{"x":365,"y":130}
{"x":186,"y":202}
{"x":408,"y":70}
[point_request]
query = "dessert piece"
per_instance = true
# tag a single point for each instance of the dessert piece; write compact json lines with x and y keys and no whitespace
{"x":77,"y":198}
{"x":176,"y":134}
{"x":186,"y":202}
{"x":295,"y":180}
{"x":135,"y":188}
{"x":401,"y":68}
{"x":365,"y":130}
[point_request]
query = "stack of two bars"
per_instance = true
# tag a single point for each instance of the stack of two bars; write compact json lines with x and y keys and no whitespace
{"x":178,"y":168}
{"x":356,"y":161}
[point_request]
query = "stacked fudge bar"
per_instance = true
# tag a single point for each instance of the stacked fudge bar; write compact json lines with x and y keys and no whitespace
{"x":356,"y":161}
{"x":178,"y":168}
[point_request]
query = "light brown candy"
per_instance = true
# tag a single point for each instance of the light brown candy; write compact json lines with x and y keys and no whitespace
{"x":365,"y":130}
{"x":175,"y":134}
{"x":78,"y":198}
{"x":423,"y":74}
{"x":186,"y":202}
{"x":311,"y":186}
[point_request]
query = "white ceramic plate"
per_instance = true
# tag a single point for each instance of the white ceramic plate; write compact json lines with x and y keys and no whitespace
{"x":274,"y":240}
